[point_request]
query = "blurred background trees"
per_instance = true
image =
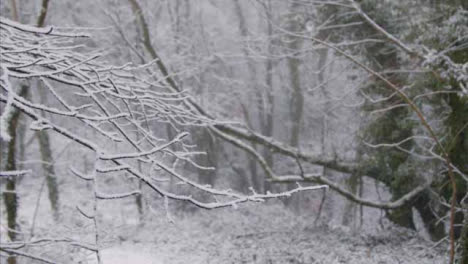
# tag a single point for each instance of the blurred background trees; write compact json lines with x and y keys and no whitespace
{"x":288,"y":108}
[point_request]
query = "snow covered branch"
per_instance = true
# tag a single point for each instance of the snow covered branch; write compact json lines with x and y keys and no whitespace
{"x":120,"y":104}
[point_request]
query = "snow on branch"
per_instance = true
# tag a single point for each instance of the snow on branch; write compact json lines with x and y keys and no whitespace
{"x":125,"y":111}
{"x":9,"y":24}
{"x":14,"y":173}
{"x":431,"y":59}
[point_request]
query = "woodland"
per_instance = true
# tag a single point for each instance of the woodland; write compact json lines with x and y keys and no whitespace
{"x":233,"y":131}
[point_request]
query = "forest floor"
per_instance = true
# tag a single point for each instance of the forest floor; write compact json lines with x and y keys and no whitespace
{"x":262,"y":234}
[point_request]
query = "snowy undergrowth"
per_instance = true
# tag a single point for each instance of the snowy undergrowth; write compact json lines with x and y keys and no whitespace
{"x":266,"y":234}
{"x":253,"y":233}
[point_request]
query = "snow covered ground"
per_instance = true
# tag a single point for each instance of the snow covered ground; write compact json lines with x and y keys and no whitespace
{"x":128,"y":254}
{"x":265,"y":233}
{"x":268,"y":235}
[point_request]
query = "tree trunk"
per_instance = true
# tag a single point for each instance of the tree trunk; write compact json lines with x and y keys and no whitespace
{"x":464,"y":236}
{"x":48,"y":162}
{"x":349,"y":213}
{"x":10,"y":196}
{"x":256,"y":178}
{"x":49,"y":172}
{"x":434,"y":227}
{"x":297,"y":96}
{"x":293,"y":63}
{"x":268,"y":124}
